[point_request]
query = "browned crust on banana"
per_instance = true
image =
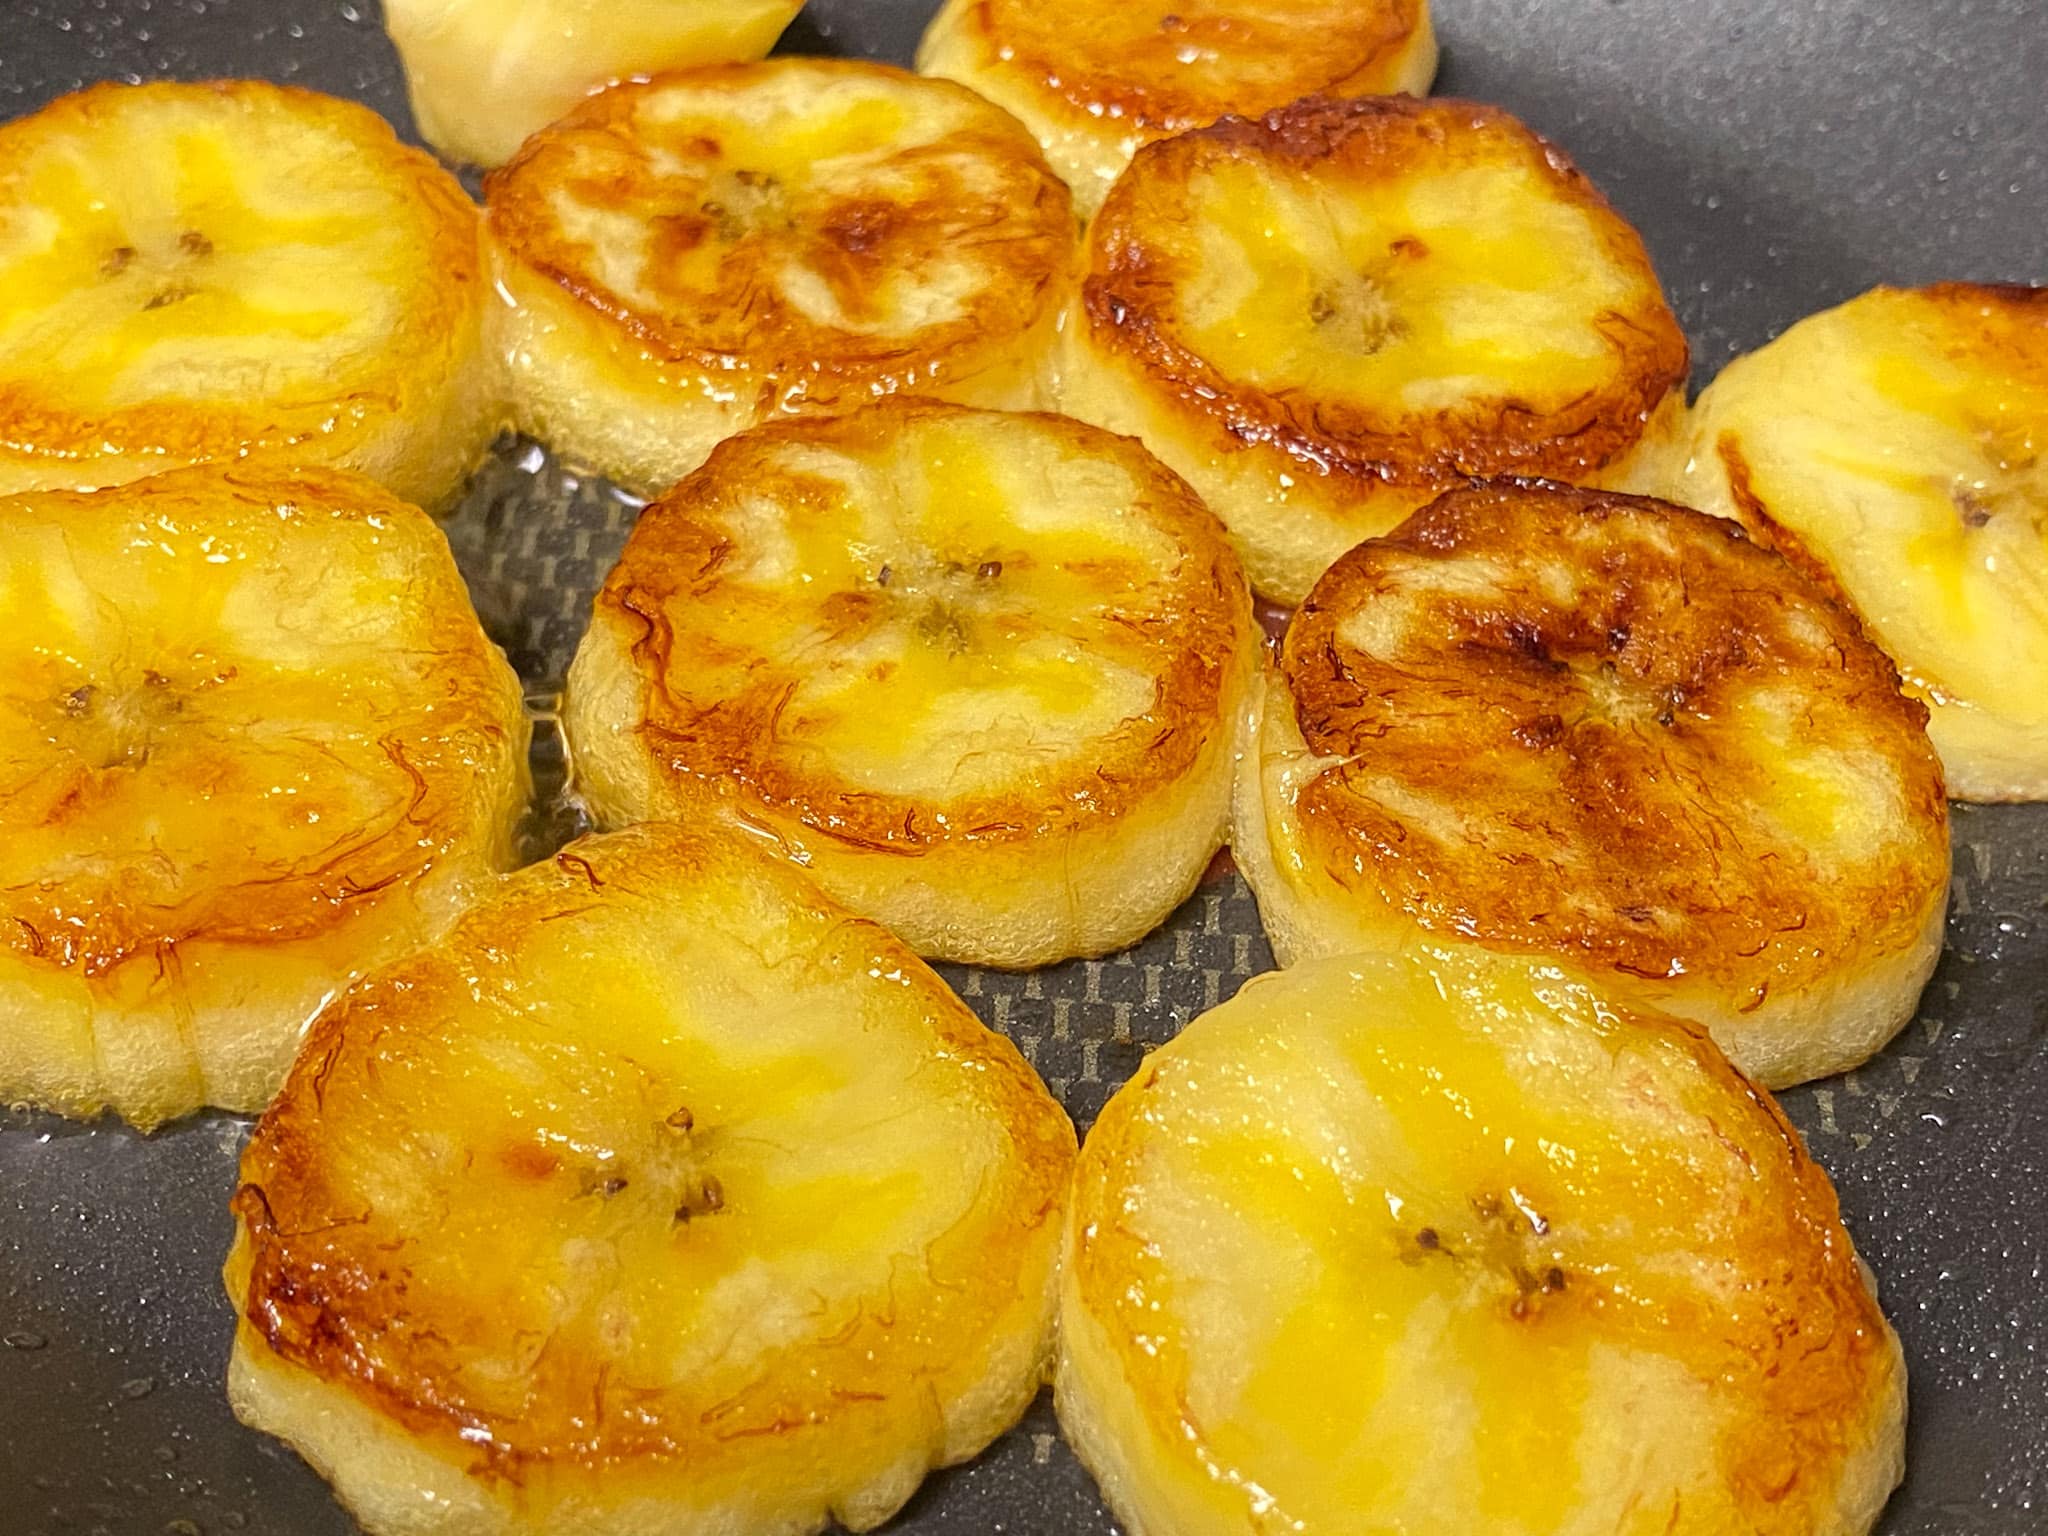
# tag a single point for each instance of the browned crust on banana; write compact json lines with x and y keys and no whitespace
{"x":1616,"y":833}
{"x":1130,"y":303}
{"x":441,"y":755}
{"x":326,"y":1280}
{"x":1024,"y":233}
{"x":1143,"y":82}
{"x":673,"y":561}
{"x":451,"y":270}
{"x":1799,"y":1334}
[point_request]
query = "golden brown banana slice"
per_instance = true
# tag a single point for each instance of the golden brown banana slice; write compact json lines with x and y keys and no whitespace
{"x":1327,"y":317}
{"x":982,"y":674}
{"x":483,"y":74}
{"x":1896,"y":448}
{"x":1613,"y":730}
{"x":1442,"y":1243}
{"x":685,"y":257}
{"x":232,"y":269}
{"x":663,"y":1196}
{"x":1096,"y":81}
{"x":252,"y":743}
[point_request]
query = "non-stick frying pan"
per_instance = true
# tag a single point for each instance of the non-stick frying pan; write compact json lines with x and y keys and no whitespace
{"x":1780,"y":155}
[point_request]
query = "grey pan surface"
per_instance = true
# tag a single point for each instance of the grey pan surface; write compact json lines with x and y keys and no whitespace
{"x":1779,"y":157}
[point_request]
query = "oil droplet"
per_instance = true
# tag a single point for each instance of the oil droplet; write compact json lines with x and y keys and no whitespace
{"x":184,"y":1528}
{"x":138,"y":1386}
{"x":23,"y":1339}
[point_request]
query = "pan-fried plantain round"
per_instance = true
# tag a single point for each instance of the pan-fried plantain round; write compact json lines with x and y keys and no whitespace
{"x":255,"y":742}
{"x":1095,"y":81}
{"x":664,"y":1196}
{"x":685,"y":257}
{"x":1609,"y":729}
{"x":1896,"y":449}
{"x":982,"y":673}
{"x":483,"y":74}
{"x":206,"y":272}
{"x":1327,"y":317}
{"x":1446,"y":1242}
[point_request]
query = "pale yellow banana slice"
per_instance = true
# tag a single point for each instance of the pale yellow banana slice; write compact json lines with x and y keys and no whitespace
{"x":252,"y":743}
{"x":983,"y":674}
{"x":1327,"y":317}
{"x":1096,"y":81}
{"x":1442,"y":1243}
{"x":686,"y":257}
{"x":483,"y":74}
{"x":234,"y":269}
{"x":664,"y":1196}
{"x":1896,"y":447}
{"x":1613,"y":730}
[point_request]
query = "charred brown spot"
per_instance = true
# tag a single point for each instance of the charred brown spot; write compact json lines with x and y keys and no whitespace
{"x":1540,"y":731}
{"x":990,"y":570}
{"x":163,"y":298}
{"x":118,"y":260}
{"x":861,"y":228}
{"x":1428,"y":1240}
{"x":78,"y":702}
{"x":1525,"y":638}
{"x":193,"y":243}
{"x":528,"y":1160}
{"x":1408,"y":245}
{"x":682,"y":1120}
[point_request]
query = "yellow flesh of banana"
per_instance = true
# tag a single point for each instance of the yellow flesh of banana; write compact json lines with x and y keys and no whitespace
{"x":983,"y":640}
{"x":1468,"y":283}
{"x":177,"y":254}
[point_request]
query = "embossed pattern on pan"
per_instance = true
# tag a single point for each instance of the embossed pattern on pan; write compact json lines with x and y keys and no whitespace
{"x":1777,"y":160}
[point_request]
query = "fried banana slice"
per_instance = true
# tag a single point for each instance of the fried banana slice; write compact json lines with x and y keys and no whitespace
{"x":253,"y":742}
{"x":685,"y":257}
{"x":233,"y":269}
{"x":1327,"y":317}
{"x":664,"y":1196}
{"x":1441,"y":1243}
{"x":983,"y":674}
{"x":1096,"y":81}
{"x":1613,"y":730}
{"x":483,"y":74}
{"x":1896,"y":448}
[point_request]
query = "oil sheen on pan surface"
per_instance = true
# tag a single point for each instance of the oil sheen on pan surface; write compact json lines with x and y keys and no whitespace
{"x":1778,"y":159}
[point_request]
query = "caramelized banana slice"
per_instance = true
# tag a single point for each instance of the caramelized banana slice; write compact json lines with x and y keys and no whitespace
{"x":1606,"y":728}
{"x":686,"y":257}
{"x":252,"y":742}
{"x":215,"y":271}
{"x":664,"y":1196}
{"x":483,"y":74}
{"x":982,"y":674}
{"x":1327,"y":317}
{"x":1095,"y":81}
{"x":1896,"y":448}
{"x":1443,"y":1243}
